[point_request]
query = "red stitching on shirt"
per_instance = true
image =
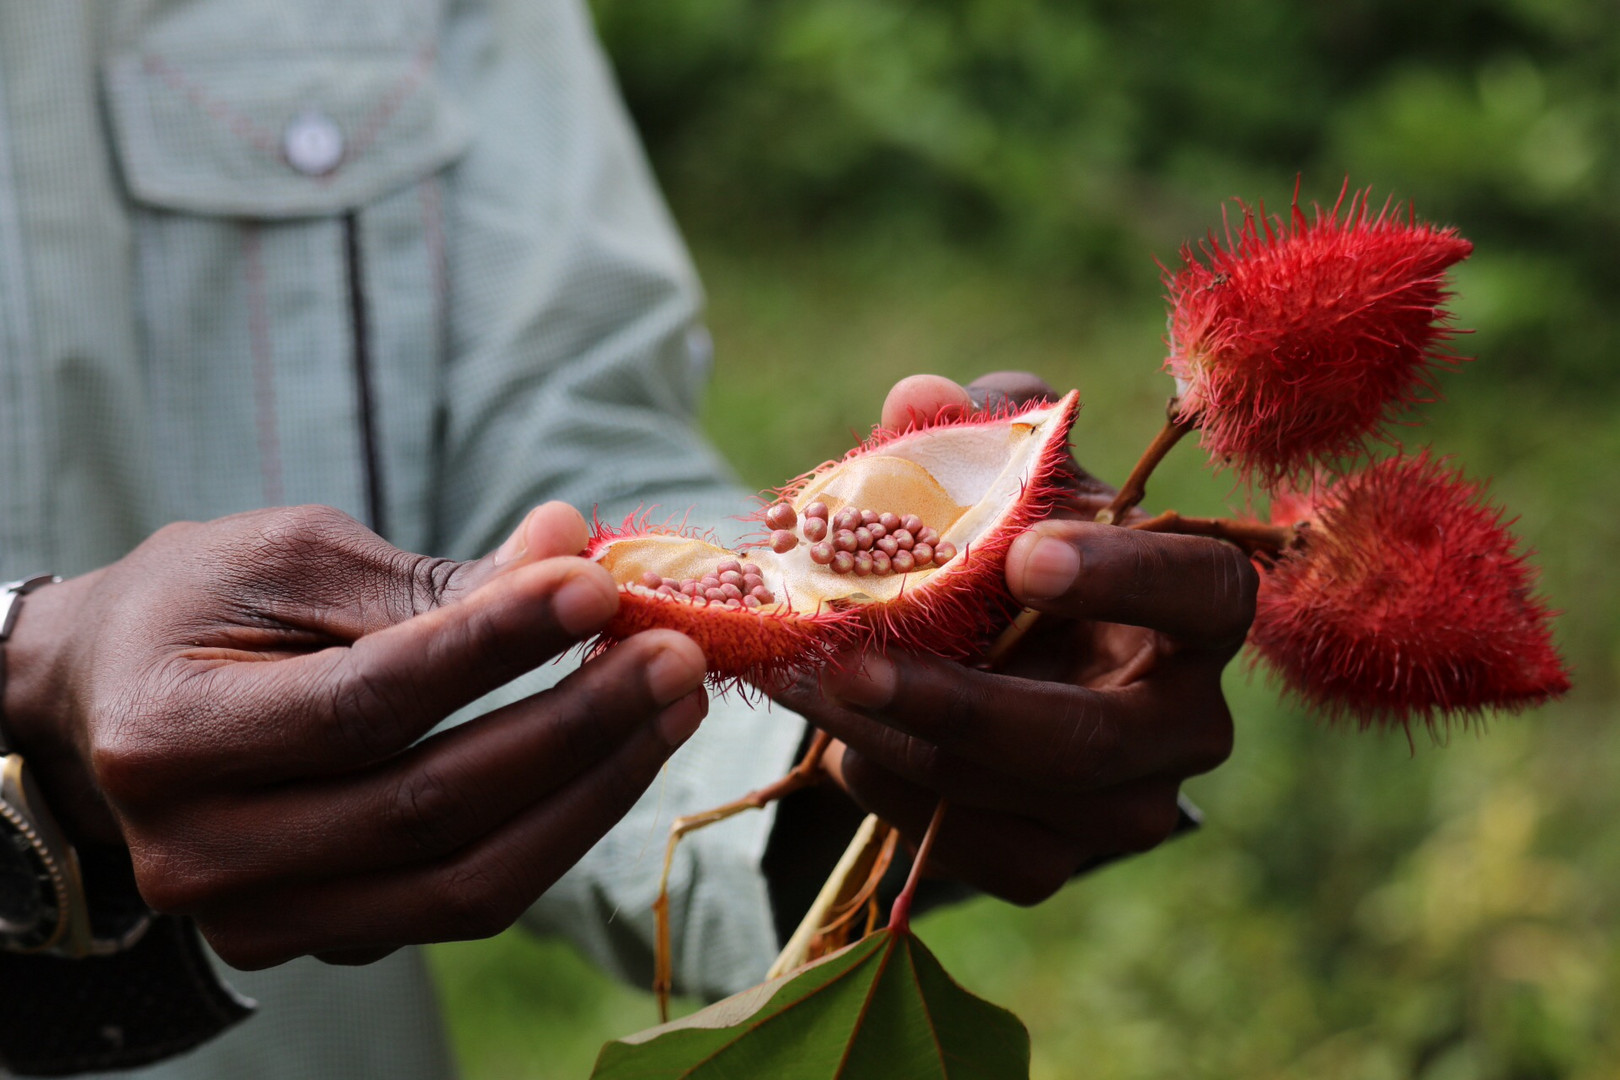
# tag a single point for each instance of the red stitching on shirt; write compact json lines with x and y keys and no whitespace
{"x":264,"y":385}
{"x":241,"y":126}
{"x":433,"y":238}
{"x":248,"y":130}
{"x":397,"y":95}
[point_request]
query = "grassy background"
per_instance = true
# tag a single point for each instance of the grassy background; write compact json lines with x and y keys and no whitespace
{"x":1354,"y":907}
{"x":879,"y":187}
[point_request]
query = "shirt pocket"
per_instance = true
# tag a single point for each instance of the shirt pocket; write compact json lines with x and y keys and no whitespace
{"x":289,"y":263}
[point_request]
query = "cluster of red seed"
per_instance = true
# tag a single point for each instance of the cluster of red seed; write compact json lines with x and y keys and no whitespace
{"x":859,"y":542}
{"x":732,"y":583}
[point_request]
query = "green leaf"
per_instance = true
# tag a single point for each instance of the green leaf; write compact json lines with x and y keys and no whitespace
{"x":882,"y":1009}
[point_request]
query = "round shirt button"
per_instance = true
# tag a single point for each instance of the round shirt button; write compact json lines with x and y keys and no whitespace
{"x":313,"y":143}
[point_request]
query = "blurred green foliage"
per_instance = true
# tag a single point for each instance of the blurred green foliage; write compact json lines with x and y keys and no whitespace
{"x":875,"y":188}
{"x":1079,"y":137}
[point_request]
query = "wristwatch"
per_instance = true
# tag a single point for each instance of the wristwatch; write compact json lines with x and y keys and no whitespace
{"x":43,"y":904}
{"x":94,"y":980}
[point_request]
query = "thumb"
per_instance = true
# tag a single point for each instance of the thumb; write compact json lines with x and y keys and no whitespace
{"x":920,"y":399}
{"x":549,"y":530}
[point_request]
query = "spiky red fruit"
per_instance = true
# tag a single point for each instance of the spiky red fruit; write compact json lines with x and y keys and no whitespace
{"x":1298,"y":341}
{"x":1410,"y":600}
{"x":949,"y":497}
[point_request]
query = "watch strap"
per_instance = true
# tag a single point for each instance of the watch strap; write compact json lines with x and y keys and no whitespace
{"x":156,"y":999}
{"x":11,"y":594}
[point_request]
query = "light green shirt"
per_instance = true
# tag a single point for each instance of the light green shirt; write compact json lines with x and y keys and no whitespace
{"x":402,"y":258}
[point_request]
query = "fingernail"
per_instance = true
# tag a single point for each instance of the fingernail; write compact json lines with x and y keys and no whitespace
{"x":515,"y":545}
{"x":1049,"y":570}
{"x":672,"y":674}
{"x":866,"y":680}
{"x":583,"y":604}
{"x":677,"y":723}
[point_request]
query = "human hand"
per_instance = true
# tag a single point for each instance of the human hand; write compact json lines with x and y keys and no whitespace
{"x":240,"y":703}
{"x":1074,"y":749}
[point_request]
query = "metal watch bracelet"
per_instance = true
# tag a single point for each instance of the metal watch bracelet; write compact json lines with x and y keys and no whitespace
{"x":24,"y":815}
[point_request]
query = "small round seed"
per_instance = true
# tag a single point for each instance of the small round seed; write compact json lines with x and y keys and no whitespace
{"x":731,"y":577}
{"x":710,"y":581}
{"x":781,"y":516}
{"x":815,"y":529}
{"x":753,"y":575}
{"x":890,"y":522}
{"x":651,"y":580}
{"x":731,"y":592}
{"x":762,"y":594}
{"x":713,"y":594}
{"x":842,"y":562}
{"x":869,"y":517}
{"x":671,"y":582}
{"x":751,"y":601}
{"x":844,"y":540}
{"x":903,"y":563}
{"x":734,"y":605}
{"x":729,"y":564}
{"x":847,"y":520}
{"x":923,"y":553}
{"x":816,"y":510}
{"x":876,"y":531}
{"x":904,"y":538}
{"x":665,"y":590}
{"x":912,"y":524}
{"x":944,"y":552}
{"x":691,"y":588}
{"x":783,"y":541}
{"x":888,"y":545}
{"x":863,"y":539}
{"x":821,"y":553}
{"x":863,"y":563}
{"x":880,"y":563}
{"x":928,"y":536}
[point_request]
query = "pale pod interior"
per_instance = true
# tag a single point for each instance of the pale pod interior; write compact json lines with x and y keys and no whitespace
{"x":958,"y":481}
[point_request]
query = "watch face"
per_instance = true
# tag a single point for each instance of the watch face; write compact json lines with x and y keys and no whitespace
{"x":29,"y":909}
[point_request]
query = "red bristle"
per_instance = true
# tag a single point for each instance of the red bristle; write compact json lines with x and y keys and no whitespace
{"x":1411,"y":601}
{"x":949,"y":612}
{"x":1295,"y":343}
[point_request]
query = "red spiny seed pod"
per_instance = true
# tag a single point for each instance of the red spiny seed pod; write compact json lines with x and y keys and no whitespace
{"x":1409,"y":601}
{"x":977,"y":480}
{"x":1294,"y":343}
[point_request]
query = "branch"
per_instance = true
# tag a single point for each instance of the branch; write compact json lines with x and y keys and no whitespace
{"x":1135,"y":486}
{"x":1246,"y":533}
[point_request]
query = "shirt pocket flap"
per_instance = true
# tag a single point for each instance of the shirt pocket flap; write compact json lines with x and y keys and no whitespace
{"x":279,"y":135}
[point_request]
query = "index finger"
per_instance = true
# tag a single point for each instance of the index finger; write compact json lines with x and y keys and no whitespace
{"x":1191,"y":587}
{"x":955,"y":730}
{"x":345,"y":707}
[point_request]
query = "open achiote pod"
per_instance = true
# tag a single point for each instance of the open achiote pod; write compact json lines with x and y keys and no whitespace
{"x":901,"y":541}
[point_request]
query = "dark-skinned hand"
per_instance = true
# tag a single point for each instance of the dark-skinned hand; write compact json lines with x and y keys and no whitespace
{"x":241,"y":702}
{"x":1074,"y":749}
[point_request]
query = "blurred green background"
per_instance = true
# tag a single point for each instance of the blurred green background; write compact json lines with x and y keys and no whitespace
{"x":878,"y":187}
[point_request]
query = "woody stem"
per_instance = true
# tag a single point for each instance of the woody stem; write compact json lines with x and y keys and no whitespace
{"x":1130,"y":493}
{"x":808,"y":772}
{"x":1250,"y":535}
